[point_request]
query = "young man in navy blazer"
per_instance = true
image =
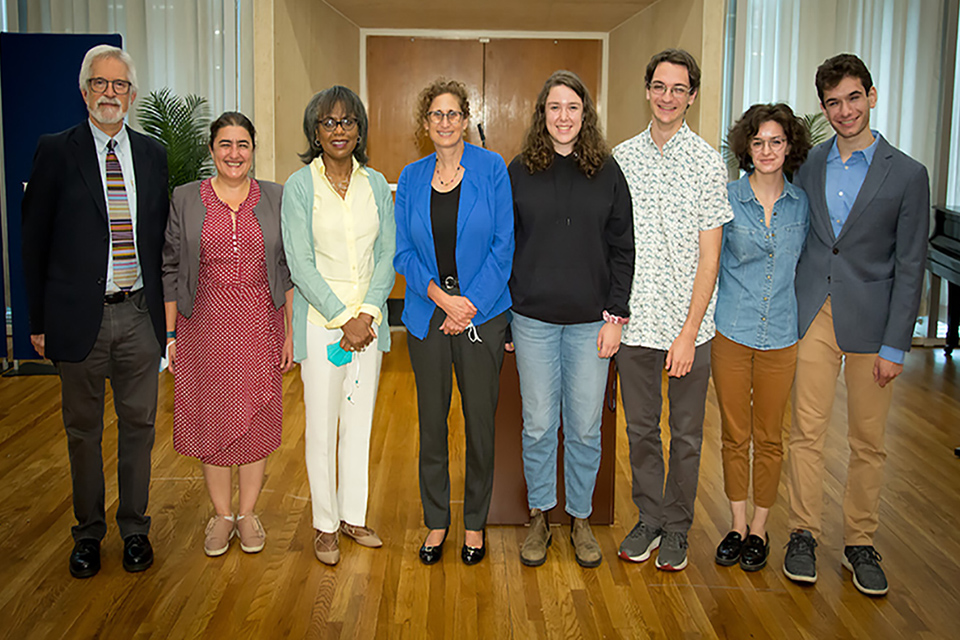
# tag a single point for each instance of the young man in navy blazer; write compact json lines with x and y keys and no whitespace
{"x":94,"y":215}
{"x":858,"y":290}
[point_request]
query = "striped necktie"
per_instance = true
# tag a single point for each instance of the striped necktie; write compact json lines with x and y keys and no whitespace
{"x":121,"y":225}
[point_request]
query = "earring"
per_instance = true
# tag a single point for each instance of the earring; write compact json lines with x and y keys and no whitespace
{"x":316,"y":141}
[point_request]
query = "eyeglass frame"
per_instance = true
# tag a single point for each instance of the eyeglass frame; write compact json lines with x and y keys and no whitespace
{"x":453,"y":117}
{"x":678,"y":91}
{"x":110,"y":83}
{"x":774,"y":144}
{"x":347,"y":123}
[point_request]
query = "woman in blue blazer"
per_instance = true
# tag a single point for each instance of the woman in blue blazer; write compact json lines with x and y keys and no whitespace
{"x":454,"y":215}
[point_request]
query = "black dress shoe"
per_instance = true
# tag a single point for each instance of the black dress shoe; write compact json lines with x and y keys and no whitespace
{"x":755,"y":551}
{"x":85,"y":558}
{"x":137,"y":553}
{"x":431,"y":555}
{"x":473,"y":555}
{"x":729,"y":549}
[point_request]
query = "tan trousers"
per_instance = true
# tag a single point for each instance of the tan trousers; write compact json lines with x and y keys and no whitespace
{"x":752,"y":390}
{"x":818,"y":366}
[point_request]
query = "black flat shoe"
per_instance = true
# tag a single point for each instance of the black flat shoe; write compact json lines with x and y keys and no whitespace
{"x":729,"y":549}
{"x":473,"y":555}
{"x":85,"y":558}
{"x":755,"y":551}
{"x":137,"y":553}
{"x":431,"y":555}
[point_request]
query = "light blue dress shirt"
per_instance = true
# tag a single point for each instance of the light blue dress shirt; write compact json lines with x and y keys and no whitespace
{"x":843,"y":182}
{"x":756,"y":300}
{"x":125,"y":156}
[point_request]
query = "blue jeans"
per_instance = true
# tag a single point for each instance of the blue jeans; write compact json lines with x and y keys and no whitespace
{"x":559,"y":367}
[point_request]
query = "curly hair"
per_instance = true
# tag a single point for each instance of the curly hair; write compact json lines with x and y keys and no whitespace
{"x":590,"y":149}
{"x":320,"y":106}
{"x":744,"y":130}
{"x":430,"y":93}
{"x":835,"y":69}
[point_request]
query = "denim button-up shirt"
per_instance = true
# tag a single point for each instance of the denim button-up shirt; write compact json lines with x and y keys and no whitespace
{"x":756,"y":301}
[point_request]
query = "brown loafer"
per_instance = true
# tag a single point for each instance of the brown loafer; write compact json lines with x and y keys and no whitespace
{"x":326,"y":546}
{"x":364,"y":536}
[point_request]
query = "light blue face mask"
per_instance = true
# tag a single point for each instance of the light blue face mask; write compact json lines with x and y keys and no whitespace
{"x":337,"y":356}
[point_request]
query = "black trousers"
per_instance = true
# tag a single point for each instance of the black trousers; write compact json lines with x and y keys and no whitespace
{"x":478,"y":377}
{"x":127,"y":352}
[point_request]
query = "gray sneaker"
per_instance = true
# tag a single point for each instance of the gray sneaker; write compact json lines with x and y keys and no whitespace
{"x":800,"y":561}
{"x":639,"y":543}
{"x":864,"y":563}
{"x":673,"y":551}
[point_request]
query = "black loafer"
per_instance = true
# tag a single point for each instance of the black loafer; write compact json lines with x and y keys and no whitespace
{"x":137,"y":553}
{"x":755,"y":551}
{"x":85,"y":558}
{"x":728,"y":551}
{"x":473,"y":555}
{"x":431,"y":555}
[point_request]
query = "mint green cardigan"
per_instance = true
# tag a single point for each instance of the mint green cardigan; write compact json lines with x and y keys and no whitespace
{"x":296,"y":221}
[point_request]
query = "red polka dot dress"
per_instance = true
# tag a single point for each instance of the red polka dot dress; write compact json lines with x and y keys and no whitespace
{"x":228,"y":400}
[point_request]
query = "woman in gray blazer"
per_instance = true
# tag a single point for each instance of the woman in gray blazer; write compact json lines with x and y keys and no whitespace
{"x":229,"y":301}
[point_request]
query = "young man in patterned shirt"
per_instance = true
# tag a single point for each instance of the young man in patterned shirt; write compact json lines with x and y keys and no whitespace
{"x":678,"y":187}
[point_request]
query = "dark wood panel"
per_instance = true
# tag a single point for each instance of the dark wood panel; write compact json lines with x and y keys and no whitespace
{"x":516,"y":69}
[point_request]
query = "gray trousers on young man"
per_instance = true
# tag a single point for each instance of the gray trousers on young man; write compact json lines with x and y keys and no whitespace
{"x":668,"y":506}
{"x":478,"y":377}
{"x":127,"y":352}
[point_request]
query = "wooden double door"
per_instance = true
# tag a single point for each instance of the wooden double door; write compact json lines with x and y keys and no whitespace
{"x":503,"y":78}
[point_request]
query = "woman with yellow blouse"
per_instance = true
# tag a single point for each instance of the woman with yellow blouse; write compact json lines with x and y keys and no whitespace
{"x":339,"y":236}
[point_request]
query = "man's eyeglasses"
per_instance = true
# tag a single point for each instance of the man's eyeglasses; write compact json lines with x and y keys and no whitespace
{"x":678,"y":91}
{"x":99,"y":85}
{"x":347,"y":124}
{"x":453,"y":117}
{"x":775,"y":144}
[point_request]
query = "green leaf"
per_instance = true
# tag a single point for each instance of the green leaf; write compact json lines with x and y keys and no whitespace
{"x":180,"y":125}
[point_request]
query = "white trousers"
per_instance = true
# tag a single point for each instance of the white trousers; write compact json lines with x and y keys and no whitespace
{"x":346,"y":396}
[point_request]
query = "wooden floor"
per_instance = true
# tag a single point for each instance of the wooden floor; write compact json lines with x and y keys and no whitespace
{"x":284,"y":592}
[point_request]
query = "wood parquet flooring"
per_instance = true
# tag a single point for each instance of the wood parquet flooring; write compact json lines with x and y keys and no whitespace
{"x":283,"y":592}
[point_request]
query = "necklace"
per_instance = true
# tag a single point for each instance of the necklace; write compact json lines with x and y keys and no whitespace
{"x":456,"y":174}
{"x":340,"y":186}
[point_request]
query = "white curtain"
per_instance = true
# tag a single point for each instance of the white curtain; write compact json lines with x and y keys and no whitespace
{"x":953,"y":175}
{"x":188,"y":46}
{"x":780,"y":43}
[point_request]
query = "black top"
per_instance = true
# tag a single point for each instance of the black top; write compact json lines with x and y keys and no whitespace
{"x":443,"y":217}
{"x":574,"y":242}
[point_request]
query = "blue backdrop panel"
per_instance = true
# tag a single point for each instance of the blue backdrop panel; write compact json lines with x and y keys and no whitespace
{"x":38,"y":86}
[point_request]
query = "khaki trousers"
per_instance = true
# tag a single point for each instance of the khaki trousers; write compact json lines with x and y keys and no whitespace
{"x":818,"y":366}
{"x":752,"y":390}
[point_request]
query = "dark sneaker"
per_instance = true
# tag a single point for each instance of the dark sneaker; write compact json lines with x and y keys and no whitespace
{"x":673,"y":551}
{"x":800,"y":562}
{"x":755,"y":552}
{"x":639,"y":543}
{"x":728,"y":551}
{"x":864,"y":563}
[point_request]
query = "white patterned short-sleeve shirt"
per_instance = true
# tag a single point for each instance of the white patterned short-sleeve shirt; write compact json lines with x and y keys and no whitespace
{"x":676,"y":194}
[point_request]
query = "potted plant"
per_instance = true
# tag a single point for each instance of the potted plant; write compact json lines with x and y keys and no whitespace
{"x":181,"y":126}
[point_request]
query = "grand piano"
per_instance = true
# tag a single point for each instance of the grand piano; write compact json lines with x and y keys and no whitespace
{"x":943,"y":261}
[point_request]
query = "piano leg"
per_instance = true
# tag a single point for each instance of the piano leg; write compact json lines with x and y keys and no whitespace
{"x":953,"y":317}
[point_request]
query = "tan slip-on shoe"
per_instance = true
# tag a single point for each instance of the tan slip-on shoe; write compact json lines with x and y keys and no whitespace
{"x":584,"y":544}
{"x":533,"y":552}
{"x":252,"y":535}
{"x":364,"y":536}
{"x":219,"y":531}
{"x":326,"y":547}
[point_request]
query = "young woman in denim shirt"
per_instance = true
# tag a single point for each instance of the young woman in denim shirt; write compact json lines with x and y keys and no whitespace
{"x":754,"y":355}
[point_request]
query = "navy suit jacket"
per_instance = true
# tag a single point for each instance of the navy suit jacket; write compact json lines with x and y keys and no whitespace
{"x":484,"y":237}
{"x":873,"y":270}
{"x":66,"y":238}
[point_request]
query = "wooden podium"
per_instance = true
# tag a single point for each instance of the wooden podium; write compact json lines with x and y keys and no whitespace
{"x":509,"y":503}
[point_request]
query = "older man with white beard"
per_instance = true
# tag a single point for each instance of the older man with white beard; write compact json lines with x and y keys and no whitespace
{"x":94,"y":215}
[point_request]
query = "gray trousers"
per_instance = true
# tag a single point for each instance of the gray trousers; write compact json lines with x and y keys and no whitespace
{"x":478,"y":377}
{"x":664,"y":505}
{"x":127,"y":352}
